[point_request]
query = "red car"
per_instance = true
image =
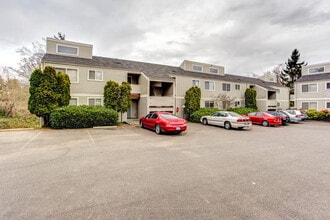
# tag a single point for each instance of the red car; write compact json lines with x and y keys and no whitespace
{"x":163,"y":122}
{"x":264,"y":119}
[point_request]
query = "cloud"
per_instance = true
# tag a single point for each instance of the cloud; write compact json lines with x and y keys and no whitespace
{"x":244,"y":36}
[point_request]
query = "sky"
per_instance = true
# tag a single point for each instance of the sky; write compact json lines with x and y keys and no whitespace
{"x":245,"y":36}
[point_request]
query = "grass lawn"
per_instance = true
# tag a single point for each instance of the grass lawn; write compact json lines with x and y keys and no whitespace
{"x":23,"y":119}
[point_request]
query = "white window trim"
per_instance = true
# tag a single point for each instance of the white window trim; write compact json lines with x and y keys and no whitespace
{"x":66,"y":72}
{"x":95,"y":75}
{"x":197,"y":81}
{"x":325,"y":104}
{"x":239,"y":85}
{"x":316,"y":67}
{"x":74,"y":97}
{"x":317,"y":88}
{"x":215,"y":69}
{"x":209,"y":89}
{"x":69,"y":54}
{"x":317,"y":104}
{"x":197,"y":66}
{"x":326,"y":85}
{"x":88,"y":98}
{"x":226,"y":87}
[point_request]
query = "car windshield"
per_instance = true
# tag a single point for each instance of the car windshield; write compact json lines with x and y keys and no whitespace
{"x":168,"y":116}
{"x":234,"y":114}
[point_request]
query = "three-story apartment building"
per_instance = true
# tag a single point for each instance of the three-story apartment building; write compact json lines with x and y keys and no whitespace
{"x":155,"y":87}
{"x":312,"y":90}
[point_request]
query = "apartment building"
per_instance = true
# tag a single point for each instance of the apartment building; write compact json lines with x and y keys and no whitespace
{"x":312,"y":90}
{"x":155,"y":87}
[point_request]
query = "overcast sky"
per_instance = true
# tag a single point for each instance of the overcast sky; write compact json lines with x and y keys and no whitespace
{"x":244,"y":36}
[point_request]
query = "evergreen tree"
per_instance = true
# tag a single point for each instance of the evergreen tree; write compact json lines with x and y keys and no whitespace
{"x":192,"y":100}
{"x":250,"y":98}
{"x":111,"y":95}
{"x":117,"y":97}
{"x":124,"y":98}
{"x":48,"y":91}
{"x":292,"y":71}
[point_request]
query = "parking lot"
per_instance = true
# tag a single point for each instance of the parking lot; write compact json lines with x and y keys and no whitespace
{"x":206,"y":172}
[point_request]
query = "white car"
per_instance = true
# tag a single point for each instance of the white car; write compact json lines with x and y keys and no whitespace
{"x":227,"y":120}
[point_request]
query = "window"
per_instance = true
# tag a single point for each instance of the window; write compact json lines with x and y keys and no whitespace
{"x":94,"y":101}
{"x":309,"y":87}
{"x":237,"y":103}
{"x":327,"y":105}
{"x":73,"y":101}
{"x":195,"y":83}
{"x":95,"y":75}
{"x":209,"y":86}
{"x":67,"y":50}
{"x":225,"y":87}
{"x":316,"y":70}
{"x":237,"y":87}
{"x":309,"y":105}
{"x":72,"y":73}
{"x":214,"y":70}
{"x":327,"y":85}
{"x":209,"y":104}
{"x":197,"y":68}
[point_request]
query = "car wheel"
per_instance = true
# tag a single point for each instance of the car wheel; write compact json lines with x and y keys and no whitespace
{"x":227,"y":125}
{"x":204,"y":121}
{"x":141,"y":124}
{"x":265,"y":123}
{"x":158,"y":130}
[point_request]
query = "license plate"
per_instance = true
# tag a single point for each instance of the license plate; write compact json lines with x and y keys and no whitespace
{"x":178,"y":128}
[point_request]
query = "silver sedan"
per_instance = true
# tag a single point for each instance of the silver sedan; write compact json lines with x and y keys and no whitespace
{"x":227,"y":120}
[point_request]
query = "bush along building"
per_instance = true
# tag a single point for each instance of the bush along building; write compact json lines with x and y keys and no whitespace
{"x":313,"y":88}
{"x":155,"y":87}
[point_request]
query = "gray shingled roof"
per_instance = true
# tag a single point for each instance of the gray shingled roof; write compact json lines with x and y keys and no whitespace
{"x":314,"y":77}
{"x":152,"y":71}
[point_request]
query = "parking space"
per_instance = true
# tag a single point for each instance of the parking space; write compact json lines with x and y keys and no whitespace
{"x":132,"y":173}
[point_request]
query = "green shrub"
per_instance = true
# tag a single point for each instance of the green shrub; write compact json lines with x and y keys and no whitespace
{"x":318,"y":115}
{"x":82,"y":117}
{"x":242,"y":110}
{"x":312,"y":114}
{"x":196,"y":115}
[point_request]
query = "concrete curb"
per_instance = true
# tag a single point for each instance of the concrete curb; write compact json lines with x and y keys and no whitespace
{"x":106,"y":127}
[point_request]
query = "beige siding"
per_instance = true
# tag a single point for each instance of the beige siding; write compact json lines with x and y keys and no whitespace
{"x":84,"y":50}
{"x":305,"y":69}
{"x":320,"y":97}
{"x":188,"y":66}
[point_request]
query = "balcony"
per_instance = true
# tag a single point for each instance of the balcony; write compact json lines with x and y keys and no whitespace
{"x":136,"y":88}
{"x":161,"y":101}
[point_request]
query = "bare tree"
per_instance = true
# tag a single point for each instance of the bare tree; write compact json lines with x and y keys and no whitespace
{"x":30,"y":60}
{"x":223,"y":100}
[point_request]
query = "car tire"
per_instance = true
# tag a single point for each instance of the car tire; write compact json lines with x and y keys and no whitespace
{"x":265,"y":123}
{"x":158,"y":130}
{"x":141,"y":124}
{"x":204,"y":121}
{"x":227,"y":125}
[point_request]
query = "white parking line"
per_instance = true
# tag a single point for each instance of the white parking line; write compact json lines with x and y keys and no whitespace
{"x":26,"y":144}
{"x":90,"y":136}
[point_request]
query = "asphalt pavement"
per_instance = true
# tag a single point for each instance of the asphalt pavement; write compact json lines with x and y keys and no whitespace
{"x":206,"y":172}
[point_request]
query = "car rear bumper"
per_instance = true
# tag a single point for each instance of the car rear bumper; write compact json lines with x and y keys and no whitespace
{"x":174,"y":128}
{"x":245,"y":125}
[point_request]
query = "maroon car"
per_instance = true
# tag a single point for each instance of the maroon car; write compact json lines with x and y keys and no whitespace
{"x":163,"y":122}
{"x":264,"y":119}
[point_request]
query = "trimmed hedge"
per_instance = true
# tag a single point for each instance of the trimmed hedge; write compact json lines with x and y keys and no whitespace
{"x":196,"y":115}
{"x":82,"y":117}
{"x":318,"y":115}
